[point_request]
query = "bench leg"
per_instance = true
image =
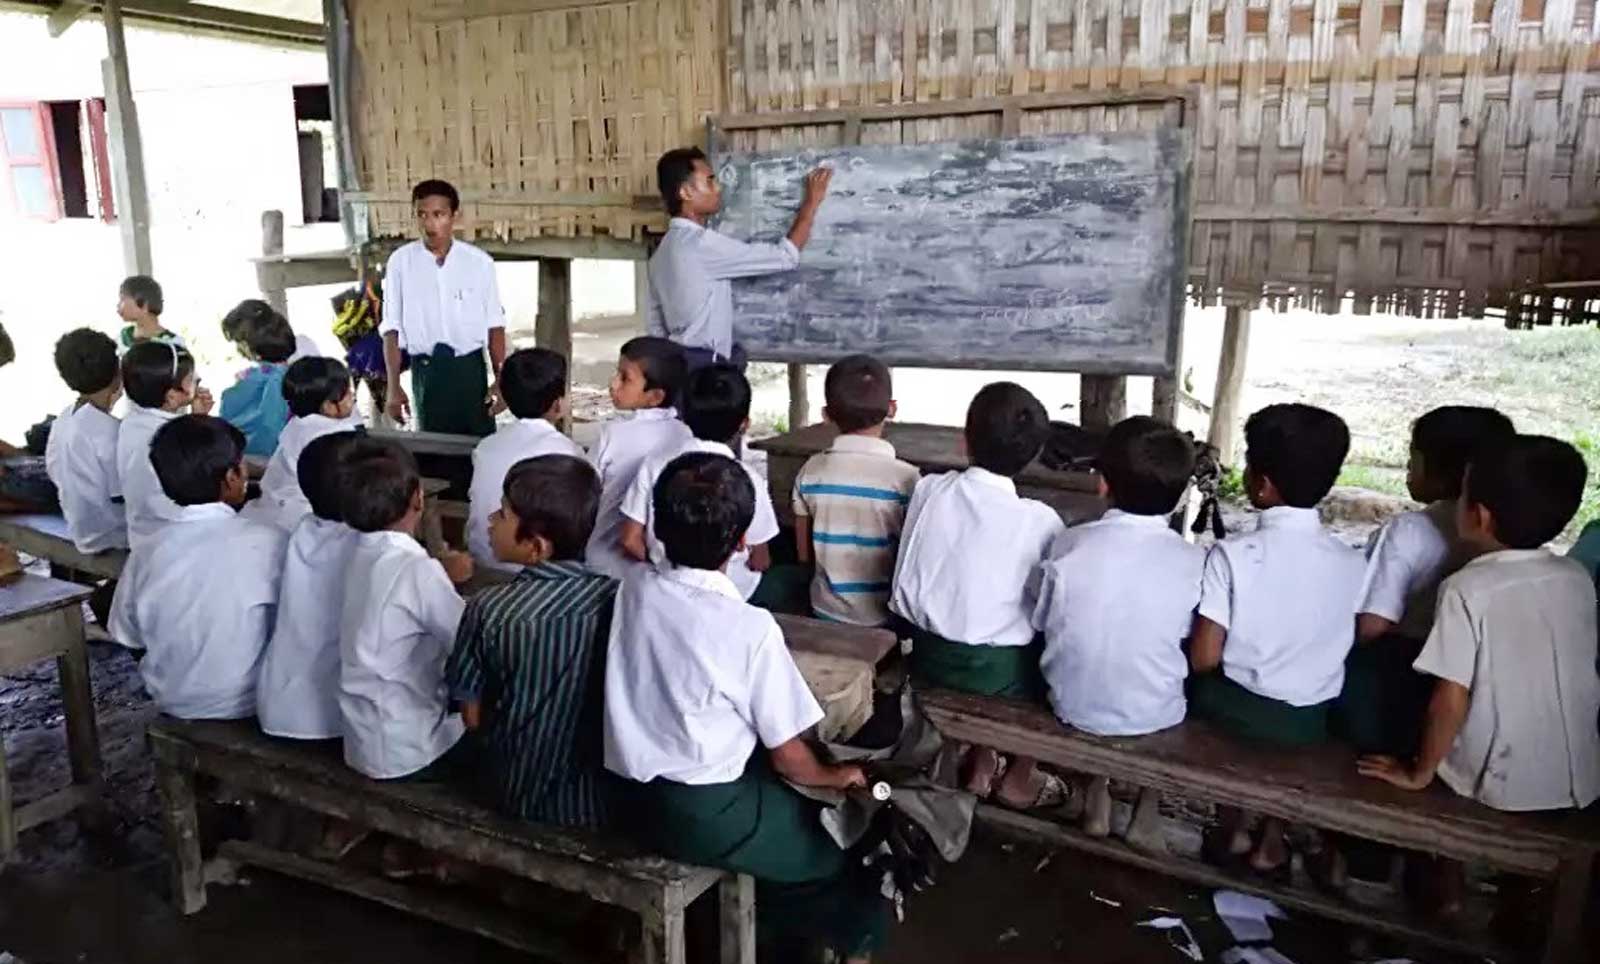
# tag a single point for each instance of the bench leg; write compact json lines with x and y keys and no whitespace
{"x":664,"y":939}
{"x":1564,"y":943}
{"x":8,"y":818}
{"x":180,"y":819}
{"x":83,"y":739}
{"x":737,"y":894}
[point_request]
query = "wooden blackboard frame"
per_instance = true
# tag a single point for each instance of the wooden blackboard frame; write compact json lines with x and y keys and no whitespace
{"x":1179,"y":103}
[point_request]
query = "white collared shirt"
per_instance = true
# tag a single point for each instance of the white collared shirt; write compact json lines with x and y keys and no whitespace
{"x":969,"y":559}
{"x":145,"y":503}
{"x":638,"y":504}
{"x":281,"y":502}
{"x":297,"y":695}
{"x":691,"y":297}
{"x":456,"y":303}
{"x":1116,"y":602}
{"x":395,"y":631}
{"x":1517,"y":629}
{"x":695,"y":677}
{"x":1286,"y":593}
{"x":492,"y":459}
{"x":199,"y":596}
{"x":81,"y":459}
{"x":623,"y":446}
{"x":1407,"y":558}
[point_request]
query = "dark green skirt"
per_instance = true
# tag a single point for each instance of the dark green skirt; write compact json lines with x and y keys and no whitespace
{"x":449,"y":391}
{"x":807,"y":890}
{"x":1250,"y":716}
{"x":1384,"y":700}
{"x":984,"y":670}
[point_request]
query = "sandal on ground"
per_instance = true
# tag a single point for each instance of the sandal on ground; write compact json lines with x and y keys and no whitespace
{"x":1052,"y":793}
{"x":981,"y":771}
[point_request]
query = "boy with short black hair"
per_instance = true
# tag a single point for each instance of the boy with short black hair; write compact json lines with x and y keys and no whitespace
{"x":529,"y":661}
{"x":298,"y":692}
{"x":321,"y":402}
{"x":705,"y":716}
{"x":1277,"y":607}
{"x":1511,"y":722}
{"x":1116,"y":602}
{"x":255,"y":402}
{"x":716,"y":408}
{"x":967,"y":575}
{"x":400,"y":615}
{"x":200,"y":594}
{"x":1383,"y":698}
{"x":649,"y":378}
{"x":533,"y":382}
{"x":160,"y":382}
{"x":81,"y":455}
{"x":850,"y":501}
{"x":139,"y":303}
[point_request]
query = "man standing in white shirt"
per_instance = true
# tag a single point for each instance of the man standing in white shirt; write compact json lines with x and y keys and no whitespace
{"x":443,"y":307}
{"x":691,"y":295}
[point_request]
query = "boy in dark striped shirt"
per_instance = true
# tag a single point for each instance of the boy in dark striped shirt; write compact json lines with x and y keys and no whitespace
{"x":529,"y":660}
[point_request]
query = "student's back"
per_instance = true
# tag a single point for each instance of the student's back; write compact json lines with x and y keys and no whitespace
{"x":81,"y":454}
{"x":160,"y":383}
{"x":321,"y":402}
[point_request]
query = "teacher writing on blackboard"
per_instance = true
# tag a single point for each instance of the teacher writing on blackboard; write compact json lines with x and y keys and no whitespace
{"x":690,"y":297}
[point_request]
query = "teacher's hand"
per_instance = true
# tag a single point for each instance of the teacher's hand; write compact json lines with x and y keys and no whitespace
{"x":494,"y":401}
{"x":817,"y":185}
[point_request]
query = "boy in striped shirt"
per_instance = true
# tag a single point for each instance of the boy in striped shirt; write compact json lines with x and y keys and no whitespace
{"x":528,"y":664}
{"x":850,"y":501}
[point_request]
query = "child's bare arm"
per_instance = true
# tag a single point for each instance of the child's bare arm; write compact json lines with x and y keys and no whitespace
{"x":1205,"y":645}
{"x":632,"y":540}
{"x":1371,"y":626}
{"x":472,"y":714}
{"x":457,"y":565}
{"x":1447,"y":711}
{"x":796,"y":762}
{"x":760,"y":558}
{"x":802,"y":538}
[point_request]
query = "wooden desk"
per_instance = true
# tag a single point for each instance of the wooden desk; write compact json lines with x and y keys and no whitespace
{"x":45,"y":537}
{"x":931,"y":448}
{"x":42,"y":618}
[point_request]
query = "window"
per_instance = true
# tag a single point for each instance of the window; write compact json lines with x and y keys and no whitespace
{"x":54,"y":161}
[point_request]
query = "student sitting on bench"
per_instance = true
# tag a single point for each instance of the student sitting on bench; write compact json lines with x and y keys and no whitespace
{"x":81,"y":455}
{"x":716,"y":408}
{"x":1277,"y":612}
{"x":399,"y":620}
{"x":200,"y":594}
{"x":139,"y":303}
{"x":695,"y":679}
{"x":297,"y":696}
{"x":529,"y":661}
{"x":160,"y":381}
{"x":967,"y":576}
{"x":255,"y":402}
{"x":648,"y":380}
{"x":850,"y":501}
{"x":322,"y":402}
{"x":1383,"y":700}
{"x":1116,"y":603}
{"x":533,"y":382}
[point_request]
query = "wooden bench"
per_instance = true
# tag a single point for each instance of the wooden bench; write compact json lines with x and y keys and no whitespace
{"x":45,"y":536}
{"x":1318,"y":786}
{"x":931,"y":448}
{"x":313,"y":776}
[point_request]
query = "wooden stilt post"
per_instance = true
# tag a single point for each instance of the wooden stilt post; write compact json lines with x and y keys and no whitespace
{"x":271,"y":247}
{"x":127,"y":147}
{"x":799,"y":400}
{"x":552,"y":328}
{"x":1230,"y":382}
{"x":1102,"y":401}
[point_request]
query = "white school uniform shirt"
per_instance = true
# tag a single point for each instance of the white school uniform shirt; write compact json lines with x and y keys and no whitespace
{"x":146,"y":505}
{"x":1517,"y":629}
{"x":623,"y":446}
{"x":1286,"y":594}
{"x":199,"y":596}
{"x":396,"y":629}
{"x":427,"y":304}
{"x":1116,"y":602}
{"x":81,"y":459}
{"x":1407,"y":558}
{"x":297,"y":694}
{"x":281,"y":502}
{"x":969,"y":560}
{"x":638,"y":504}
{"x":695,"y":678}
{"x":690,"y":290}
{"x":492,"y":459}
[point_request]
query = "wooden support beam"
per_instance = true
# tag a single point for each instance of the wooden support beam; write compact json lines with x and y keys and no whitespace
{"x":1102,"y":401}
{"x":66,"y":13}
{"x":552,"y":328}
{"x":127,"y":147}
{"x":1230,"y":382}
{"x":1164,"y":399}
{"x":271,"y":247}
{"x":799,"y":399}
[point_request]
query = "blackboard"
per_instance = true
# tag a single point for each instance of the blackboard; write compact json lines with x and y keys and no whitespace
{"x":1061,"y":253}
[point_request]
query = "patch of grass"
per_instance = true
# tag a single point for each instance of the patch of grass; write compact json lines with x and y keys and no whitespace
{"x":1230,"y":488}
{"x":1378,"y":478}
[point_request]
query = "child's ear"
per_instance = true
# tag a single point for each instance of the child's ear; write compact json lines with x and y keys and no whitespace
{"x":1102,"y":487}
{"x":894,"y":409}
{"x":416,"y":498}
{"x":744,"y":426}
{"x":235,"y":486}
{"x":557,"y":407}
